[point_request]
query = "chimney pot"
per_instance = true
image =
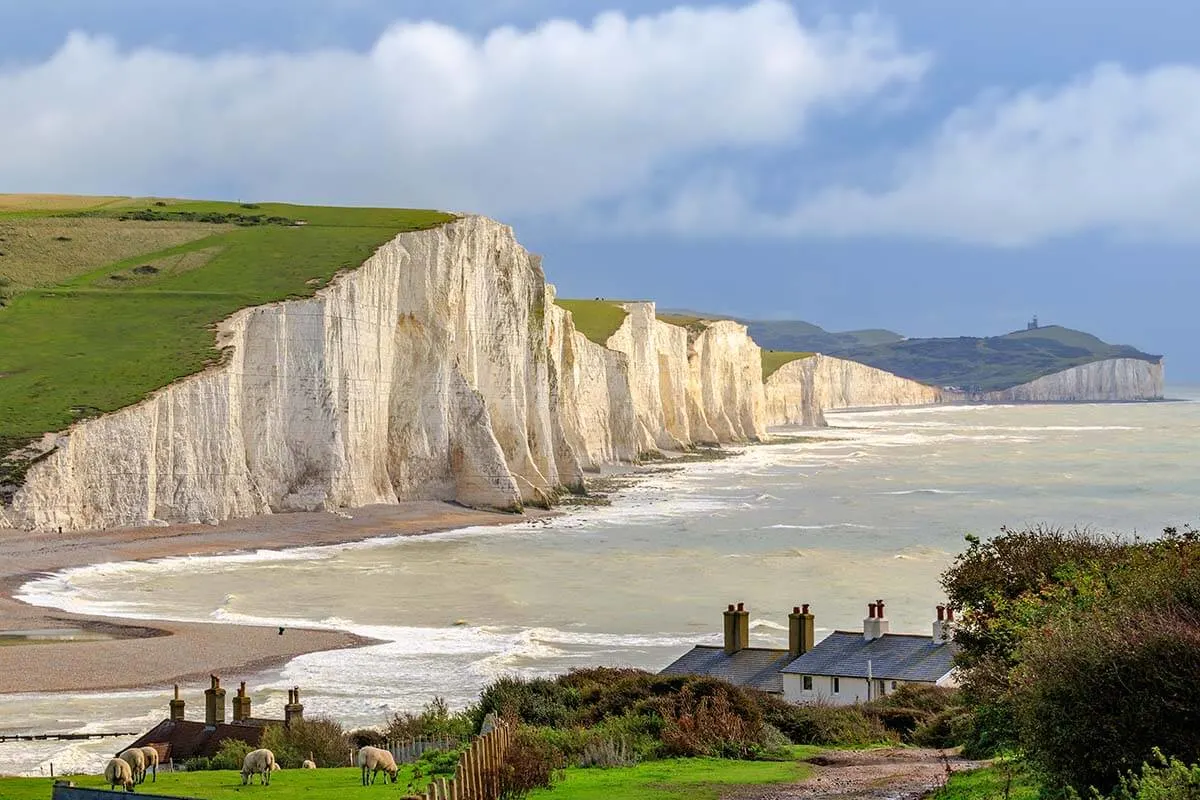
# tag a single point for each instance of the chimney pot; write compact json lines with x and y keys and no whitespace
{"x":795,"y":609}
{"x":804,"y":608}
{"x":730,"y":607}
{"x":741,"y":607}
{"x":871,"y":610}
{"x":950,"y":613}
{"x":879,"y":607}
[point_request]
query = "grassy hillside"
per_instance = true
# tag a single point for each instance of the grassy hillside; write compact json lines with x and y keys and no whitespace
{"x":992,"y":363}
{"x":598,"y":320}
{"x":107,"y":299}
{"x":774,"y":359}
{"x":799,"y":336}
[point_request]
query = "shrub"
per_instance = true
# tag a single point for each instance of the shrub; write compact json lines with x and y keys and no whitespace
{"x":822,"y":723}
{"x":529,"y":763}
{"x":911,"y":707}
{"x":319,"y":738}
{"x":710,"y":719}
{"x":439,"y":763}
{"x":1098,"y":692}
{"x":1166,"y":779}
{"x":366,"y":737}
{"x":536,"y":701}
{"x":606,"y":753}
{"x":434,"y":721}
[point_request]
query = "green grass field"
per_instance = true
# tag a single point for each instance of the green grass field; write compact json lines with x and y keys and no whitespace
{"x":288,"y":784}
{"x":774,"y":359}
{"x":692,"y":778}
{"x":78,"y":339}
{"x":990,"y":783}
{"x":676,"y":779}
{"x":596,"y":319}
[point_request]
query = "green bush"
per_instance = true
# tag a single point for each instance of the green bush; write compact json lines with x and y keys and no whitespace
{"x":1096,"y":695}
{"x":1166,"y":779}
{"x":529,"y":763}
{"x":823,"y":724}
{"x":319,"y":738}
{"x":434,"y":721}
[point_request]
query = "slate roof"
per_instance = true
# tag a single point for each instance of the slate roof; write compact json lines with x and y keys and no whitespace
{"x":755,"y":667}
{"x":184,"y":739}
{"x":894,"y":656}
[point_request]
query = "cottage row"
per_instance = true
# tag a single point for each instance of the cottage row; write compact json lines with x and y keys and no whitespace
{"x":845,"y":667}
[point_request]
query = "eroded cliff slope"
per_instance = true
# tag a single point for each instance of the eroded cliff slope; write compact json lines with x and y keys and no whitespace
{"x":1112,"y":380}
{"x":799,"y":392}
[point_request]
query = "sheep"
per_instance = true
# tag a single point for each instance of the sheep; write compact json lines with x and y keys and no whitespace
{"x":374,"y":759}
{"x":260,"y":762}
{"x":136,"y":760}
{"x":308,"y":764}
{"x":151,"y":762}
{"x":275,"y":767}
{"x":117,"y":772}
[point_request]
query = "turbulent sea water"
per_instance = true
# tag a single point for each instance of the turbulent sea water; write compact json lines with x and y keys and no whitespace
{"x":875,"y":507}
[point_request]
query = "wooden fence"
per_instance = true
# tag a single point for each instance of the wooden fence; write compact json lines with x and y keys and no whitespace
{"x":477,"y":776}
{"x":406,"y":751}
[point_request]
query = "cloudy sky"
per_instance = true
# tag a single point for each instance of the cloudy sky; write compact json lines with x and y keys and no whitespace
{"x":931,"y":166}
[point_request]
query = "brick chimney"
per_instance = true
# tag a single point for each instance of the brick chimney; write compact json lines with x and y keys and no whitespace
{"x":737,"y":629}
{"x":943,"y":626}
{"x":214,"y":703}
{"x":293,"y":711}
{"x":241,"y":704}
{"x":875,"y":625}
{"x":801,"y":630}
{"x":176,"y":705}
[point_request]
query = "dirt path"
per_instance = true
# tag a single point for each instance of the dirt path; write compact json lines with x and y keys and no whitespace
{"x":889,"y":774}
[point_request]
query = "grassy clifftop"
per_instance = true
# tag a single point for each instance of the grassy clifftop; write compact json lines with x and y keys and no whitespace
{"x":105,"y":300}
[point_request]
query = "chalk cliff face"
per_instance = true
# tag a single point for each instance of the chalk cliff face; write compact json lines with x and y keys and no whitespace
{"x":1113,"y":380}
{"x":422,"y":374}
{"x":800,"y":391}
{"x":440,"y":369}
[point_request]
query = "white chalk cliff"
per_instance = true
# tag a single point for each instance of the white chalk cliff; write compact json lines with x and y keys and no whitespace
{"x":439,"y":369}
{"x":1112,"y":380}
{"x":800,"y":391}
{"x":442,"y":369}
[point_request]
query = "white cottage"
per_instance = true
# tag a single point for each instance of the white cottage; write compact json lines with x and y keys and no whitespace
{"x":855,"y":667}
{"x":843,"y":668}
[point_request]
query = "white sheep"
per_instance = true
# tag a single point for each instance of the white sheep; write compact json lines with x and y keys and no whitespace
{"x":275,"y":767}
{"x":258,"y":762}
{"x":308,"y":764}
{"x":374,"y":759}
{"x":117,"y":773}
{"x":151,"y":762}
{"x":136,"y":760}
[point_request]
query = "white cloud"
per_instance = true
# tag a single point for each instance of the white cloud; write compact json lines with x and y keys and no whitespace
{"x":1112,"y":151}
{"x":540,"y":121}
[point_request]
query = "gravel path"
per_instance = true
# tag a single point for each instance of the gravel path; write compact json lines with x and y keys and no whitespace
{"x":889,"y":774}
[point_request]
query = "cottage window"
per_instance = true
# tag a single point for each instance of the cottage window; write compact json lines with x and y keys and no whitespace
{"x":837,"y":687}
{"x":893,"y":686}
{"x":808,"y":683}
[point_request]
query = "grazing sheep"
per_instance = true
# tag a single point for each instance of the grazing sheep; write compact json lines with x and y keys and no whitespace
{"x":275,"y":767}
{"x":117,"y":773}
{"x":374,"y":759}
{"x":136,"y":760}
{"x":151,"y":762}
{"x":308,"y":764}
{"x":258,"y":762}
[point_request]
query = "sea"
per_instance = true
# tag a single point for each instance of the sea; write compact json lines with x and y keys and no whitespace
{"x":876,"y":506}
